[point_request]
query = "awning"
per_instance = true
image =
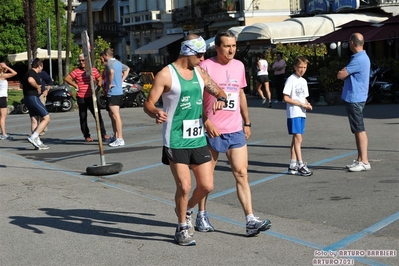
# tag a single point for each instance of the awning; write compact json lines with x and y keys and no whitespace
{"x":41,"y":53}
{"x":271,"y":30}
{"x":96,"y":6}
{"x":300,"y":29}
{"x":153,"y":47}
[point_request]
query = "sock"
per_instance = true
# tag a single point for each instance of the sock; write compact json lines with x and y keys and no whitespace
{"x":250,"y":217}
{"x":189,"y":210}
{"x":180,"y":225}
{"x":300,"y":163}
{"x":292,"y":163}
{"x":201,"y":213}
{"x":34,"y":135}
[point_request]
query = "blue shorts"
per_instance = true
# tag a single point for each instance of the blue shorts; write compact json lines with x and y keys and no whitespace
{"x":227,"y":141}
{"x":35,"y":106}
{"x":296,"y":125}
{"x":355,"y":115}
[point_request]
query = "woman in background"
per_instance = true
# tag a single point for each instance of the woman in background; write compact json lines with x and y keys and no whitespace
{"x":4,"y":98}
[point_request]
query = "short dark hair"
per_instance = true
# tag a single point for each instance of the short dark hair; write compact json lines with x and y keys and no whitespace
{"x":279,"y":53}
{"x":36,"y":63}
{"x":223,"y":33}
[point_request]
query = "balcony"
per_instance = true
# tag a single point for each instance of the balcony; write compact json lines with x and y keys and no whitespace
{"x":204,"y":9}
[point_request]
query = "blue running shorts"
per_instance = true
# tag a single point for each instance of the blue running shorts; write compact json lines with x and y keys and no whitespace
{"x":227,"y":141}
{"x":35,"y":106}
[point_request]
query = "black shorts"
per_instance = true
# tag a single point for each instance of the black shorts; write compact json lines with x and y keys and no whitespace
{"x":262,"y":78}
{"x":3,"y":102}
{"x":186,"y":156}
{"x":35,"y":106}
{"x":115,"y":100}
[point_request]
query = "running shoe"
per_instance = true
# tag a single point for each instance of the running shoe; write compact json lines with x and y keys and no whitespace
{"x":355,"y":162}
{"x":35,"y":142}
{"x":43,"y":147}
{"x":270,"y":105}
{"x":360,"y":167}
{"x":189,"y":222}
{"x":255,"y":226}
{"x":304,"y":171}
{"x":264,"y":100}
{"x":117,"y":142}
{"x":293,"y":171}
{"x":6,"y":136}
{"x":111,"y":139}
{"x":183,"y":238}
{"x":202,"y":223}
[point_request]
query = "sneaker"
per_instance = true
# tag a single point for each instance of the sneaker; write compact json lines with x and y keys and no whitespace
{"x":183,"y":238}
{"x":117,"y":142}
{"x":35,"y":142}
{"x":293,"y":171}
{"x":189,"y":221}
{"x":270,"y":105}
{"x":264,"y":100}
{"x":202,"y":223}
{"x":304,"y":171}
{"x":255,"y":226}
{"x":355,"y":162}
{"x":111,"y":139}
{"x":360,"y":167}
{"x":43,"y":147}
{"x":6,"y":136}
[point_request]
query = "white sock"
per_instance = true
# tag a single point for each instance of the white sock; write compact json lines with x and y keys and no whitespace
{"x":300,"y":163}
{"x":180,"y":225}
{"x":34,"y":135}
{"x":250,"y":217}
{"x":201,"y":213}
{"x":292,"y":164}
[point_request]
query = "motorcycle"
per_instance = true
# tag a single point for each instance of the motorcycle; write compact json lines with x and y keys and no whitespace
{"x":59,"y":98}
{"x":133,"y":95}
{"x":379,"y":89}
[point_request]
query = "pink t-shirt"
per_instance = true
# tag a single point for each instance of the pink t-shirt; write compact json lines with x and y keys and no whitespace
{"x":231,"y":78}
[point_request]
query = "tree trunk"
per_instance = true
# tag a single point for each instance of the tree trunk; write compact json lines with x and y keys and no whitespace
{"x":26,"y":8}
{"x":68,"y":35}
{"x":33,"y":26}
{"x":59,"y":38}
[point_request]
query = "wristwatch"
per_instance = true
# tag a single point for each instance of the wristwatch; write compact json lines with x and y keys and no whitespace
{"x":247,"y":125}
{"x":222,"y":99}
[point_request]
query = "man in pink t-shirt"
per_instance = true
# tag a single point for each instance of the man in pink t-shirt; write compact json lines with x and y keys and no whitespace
{"x":228,"y":129}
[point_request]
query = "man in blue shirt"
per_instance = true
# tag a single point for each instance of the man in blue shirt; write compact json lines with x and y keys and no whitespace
{"x":356,"y":77}
{"x":115,"y":73}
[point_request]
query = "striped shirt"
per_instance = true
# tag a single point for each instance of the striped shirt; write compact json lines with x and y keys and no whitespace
{"x":83,"y":81}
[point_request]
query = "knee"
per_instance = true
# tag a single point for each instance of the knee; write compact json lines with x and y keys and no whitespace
{"x":185,"y":188}
{"x":206,"y":188}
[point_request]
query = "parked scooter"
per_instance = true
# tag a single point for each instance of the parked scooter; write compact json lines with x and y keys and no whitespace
{"x":59,"y":98}
{"x":379,"y":89}
{"x":133,"y":95}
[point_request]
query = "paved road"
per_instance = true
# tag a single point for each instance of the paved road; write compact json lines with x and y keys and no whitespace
{"x":52,"y":213}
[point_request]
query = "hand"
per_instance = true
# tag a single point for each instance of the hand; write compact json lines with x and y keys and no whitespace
{"x":160,"y":117}
{"x":218,"y":105}
{"x":211,"y":130}
{"x":247,"y":132}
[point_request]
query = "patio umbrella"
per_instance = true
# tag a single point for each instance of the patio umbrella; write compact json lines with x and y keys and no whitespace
{"x":41,"y":53}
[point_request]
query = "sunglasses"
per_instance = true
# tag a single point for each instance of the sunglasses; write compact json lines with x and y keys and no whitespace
{"x":81,"y":60}
{"x":198,"y":55}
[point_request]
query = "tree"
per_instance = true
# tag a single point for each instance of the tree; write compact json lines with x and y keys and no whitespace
{"x":12,"y":27}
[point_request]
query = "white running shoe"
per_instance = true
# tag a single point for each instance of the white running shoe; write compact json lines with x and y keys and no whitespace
{"x":355,"y":162}
{"x":360,"y":167}
{"x":117,"y":142}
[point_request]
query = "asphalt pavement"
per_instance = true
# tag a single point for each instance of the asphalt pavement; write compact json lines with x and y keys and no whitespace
{"x":53,"y":213}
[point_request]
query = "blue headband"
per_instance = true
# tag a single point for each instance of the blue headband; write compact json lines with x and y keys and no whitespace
{"x":193,"y":47}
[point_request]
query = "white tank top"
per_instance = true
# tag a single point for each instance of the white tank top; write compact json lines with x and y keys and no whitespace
{"x":263,"y":67}
{"x":3,"y":88}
